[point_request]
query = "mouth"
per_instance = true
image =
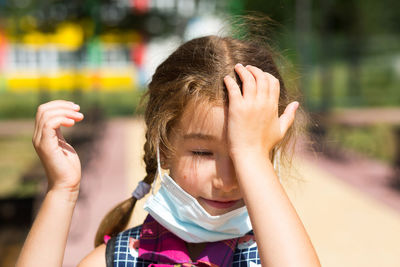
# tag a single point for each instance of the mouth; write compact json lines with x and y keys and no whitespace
{"x":220,"y":204}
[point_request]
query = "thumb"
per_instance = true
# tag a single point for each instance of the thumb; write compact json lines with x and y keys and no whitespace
{"x":287,"y":118}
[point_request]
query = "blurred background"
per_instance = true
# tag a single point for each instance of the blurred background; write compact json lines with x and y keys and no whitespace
{"x":343,"y":56}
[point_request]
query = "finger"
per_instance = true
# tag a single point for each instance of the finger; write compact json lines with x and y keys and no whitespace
{"x":248,"y":81}
{"x":51,"y":126}
{"x":56,"y":104}
{"x":287,"y":118}
{"x":59,"y":134}
{"x":50,"y":131}
{"x":262,"y":80}
{"x":61,"y":112}
{"x":52,"y":105}
{"x":274,"y":87}
{"x":77,"y":116}
{"x":49,"y":114}
{"x":233,"y":88}
{"x":35,"y":130}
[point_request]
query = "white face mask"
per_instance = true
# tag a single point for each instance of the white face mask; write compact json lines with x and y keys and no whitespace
{"x":182,"y":214}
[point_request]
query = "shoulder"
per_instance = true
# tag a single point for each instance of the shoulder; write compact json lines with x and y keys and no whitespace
{"x":95,"y":258}
{"x":126,"y":243}
{"x":98,"y":256}
{"x":125,"y":249}
{"x":246,"y":251}
{"x":131,"y":232}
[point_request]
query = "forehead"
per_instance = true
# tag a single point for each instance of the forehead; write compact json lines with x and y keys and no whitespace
{"x":205,"y":119}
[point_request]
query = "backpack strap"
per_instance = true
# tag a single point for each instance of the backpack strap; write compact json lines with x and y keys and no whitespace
{"x":110,"y":248}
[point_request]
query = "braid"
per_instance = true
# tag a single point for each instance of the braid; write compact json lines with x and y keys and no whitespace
{"x":118,"y":218}
{"x":151,"y":163}
{"x":115,"y":221}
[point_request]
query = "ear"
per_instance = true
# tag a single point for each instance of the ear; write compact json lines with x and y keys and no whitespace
{"x":164,"y":162}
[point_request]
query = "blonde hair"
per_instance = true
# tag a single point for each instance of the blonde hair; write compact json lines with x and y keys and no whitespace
{"x":194,"y":71}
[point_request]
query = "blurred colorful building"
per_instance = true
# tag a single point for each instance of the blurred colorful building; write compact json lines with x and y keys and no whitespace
{"x":95,"y":45}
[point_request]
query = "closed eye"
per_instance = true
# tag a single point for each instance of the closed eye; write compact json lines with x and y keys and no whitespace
{"x":202,"y":153}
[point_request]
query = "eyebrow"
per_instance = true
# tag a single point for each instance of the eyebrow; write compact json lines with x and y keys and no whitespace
{"x":199,"y":136}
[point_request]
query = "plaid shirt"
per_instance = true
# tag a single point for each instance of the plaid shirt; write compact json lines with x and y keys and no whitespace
{"x":152,"y":245}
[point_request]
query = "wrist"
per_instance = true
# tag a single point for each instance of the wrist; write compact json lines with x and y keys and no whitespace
{"x":251,"y":152}
{"x":67,"y":186}
{"x":251,"y":168}
{"x":63,"y":194}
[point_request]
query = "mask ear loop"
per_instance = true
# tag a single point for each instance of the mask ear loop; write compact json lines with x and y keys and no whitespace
{"x":158,"y":172}
{"x":277,"y":165}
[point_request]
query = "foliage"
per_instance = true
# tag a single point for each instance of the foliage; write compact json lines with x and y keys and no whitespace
{"x":17,"y":155}
{"x":337,"y":16}
{"x":377,"y":141}
{"x":377,"y":80}
{"x":24,"y":105}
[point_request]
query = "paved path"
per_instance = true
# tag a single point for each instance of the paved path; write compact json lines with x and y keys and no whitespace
{"x":103,"y":186}
{"x":109,"y":179}
{"x":349,"y":226}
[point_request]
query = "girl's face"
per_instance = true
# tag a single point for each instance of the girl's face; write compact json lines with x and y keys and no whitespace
{"x":201,"y":164}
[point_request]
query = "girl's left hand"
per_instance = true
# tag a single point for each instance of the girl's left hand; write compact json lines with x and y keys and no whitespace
{"x":254,"y":124}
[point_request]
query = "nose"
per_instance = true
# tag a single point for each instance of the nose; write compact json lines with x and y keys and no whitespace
{"x":225,"y":178}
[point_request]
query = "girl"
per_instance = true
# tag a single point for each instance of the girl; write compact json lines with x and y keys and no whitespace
{"x":217,"y":113}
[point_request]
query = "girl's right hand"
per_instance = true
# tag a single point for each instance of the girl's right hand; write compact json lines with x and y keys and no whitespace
{"x":60,"y":160}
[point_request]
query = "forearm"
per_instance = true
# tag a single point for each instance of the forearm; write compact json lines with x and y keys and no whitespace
{"x":46,"y":241}
{"x":280,"y":234}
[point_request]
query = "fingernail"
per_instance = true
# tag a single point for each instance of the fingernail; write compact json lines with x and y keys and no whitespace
{"x":238,"y":65}
{"x":75,"y":106}
{"x":80,"y":114}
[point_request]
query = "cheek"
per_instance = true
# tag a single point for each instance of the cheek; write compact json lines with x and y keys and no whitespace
{"x":190,"y":174}
{"x":184,"y":171}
